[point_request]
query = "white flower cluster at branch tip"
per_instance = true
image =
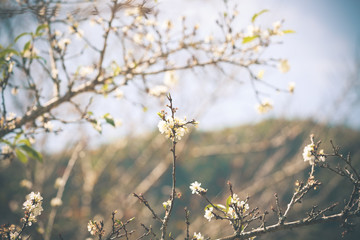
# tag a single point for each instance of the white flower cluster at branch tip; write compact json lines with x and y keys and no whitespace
{"x":311,"y":155}
{"x":92,"y":228}
{"x":242,"y":206}
{"x":173,"y":128}
{"x":265,"y":106}
{"x":196,"y":189}
{"x":32,"y":207}
{"x":198,"y":236}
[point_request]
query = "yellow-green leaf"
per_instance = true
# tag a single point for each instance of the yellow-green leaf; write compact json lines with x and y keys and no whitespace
{"x":249,"y":39}
{"x":258,"y":14}
{"x":30,"y":152}
{"x":21,"y":156}
{"x":288,"y":31}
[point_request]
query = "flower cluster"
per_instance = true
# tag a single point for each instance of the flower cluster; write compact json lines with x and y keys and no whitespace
{"x":240,"y":206}
{"x":32,"y":207}
{"x":195,"y":188}
{"x":310,"y":154}
{"x":198,"y":236}
{"x":265,"y":106}
{"x":92,"y":227}
{"x":173,"y":128}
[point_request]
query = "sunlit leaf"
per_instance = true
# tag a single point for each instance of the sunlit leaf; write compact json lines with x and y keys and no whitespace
{"x":21,"y":156}
{"x":20,"y":36}
{"x":39,"y":28}
{"x":249,"y":39}
{"x":288,"y":31}
{"x":30,"y":152}
{"x":258,"y":14}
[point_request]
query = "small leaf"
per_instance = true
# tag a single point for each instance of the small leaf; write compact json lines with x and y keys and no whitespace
{"x":228,"y":202}
{"x":31,"y":152}
{"x":207,"y":207}
{"x":39,"y":28}
{"x":109,"y":119}
{"x":21,"y":156}
{"x":258,"y":14}
{"x":21,"y":35}
{"x":249,"y":39}
{"x":25,"y":141}
{"x":288,"y":31}
{"x":5,"y":141}
{"x":27,"y":46}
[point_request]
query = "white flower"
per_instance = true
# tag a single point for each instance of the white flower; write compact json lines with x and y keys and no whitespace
{"x":284,"y":66}
{"x":92,"y":227}
{"x":13,"y":235}
{"x":198,"y":236}
{"x":171,"y":78}
{"x":159,"y":90}
{"x":63,"y":43}
{"x":33,"y":206}
{"x":265,"y":106}
{"x":276,"y":28}
{"x":6,"y":149}
{"x":195,"y":188}
{"x":26,"y":184}
{"x":56,"y":202}
{"x":48,"y":126}
{"x":59,"y":182}
{"x":291,"y":87}
{"x":167,"y":204}
{"x":209,"y":213}
{"x":322,"y":156}
{"x":260,"y":74}
{"x":173,"y":128}
{"x":231,"y":212}
{"x":85,"y":70}
{"x":308,"y":153}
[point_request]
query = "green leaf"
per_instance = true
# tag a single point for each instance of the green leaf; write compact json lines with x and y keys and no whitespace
{"x":288,"y":31}
{"x":27,"y":45}
{"x":25,"y":141}
{"x":21,"y":156}
{"x":228,"y":202}
{"x":258,"y":14}
{"x":8,"y":51}
{"x":39,"y":28}
{"x":249,"y":39}
{"x":6,"y":141}
{"x":109,"y":119}
{"x":31,"y":152}
{"x":20,"y":36}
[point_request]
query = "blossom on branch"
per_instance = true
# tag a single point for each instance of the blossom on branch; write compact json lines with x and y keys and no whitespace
{"x":209,"y":213}
{"x":33,"y":207}
{"x":196,"y":189}
{"x":198,"y":236}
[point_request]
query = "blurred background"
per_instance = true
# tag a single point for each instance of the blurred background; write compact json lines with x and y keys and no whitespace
{"x":259,"y":153}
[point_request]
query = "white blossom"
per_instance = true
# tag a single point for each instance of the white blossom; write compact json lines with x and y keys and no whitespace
{"x":209,"y":213}
{"x":265,"y":106}
{"x":171,"y":78}
{"x":92,"y":227}
{"x":284,"y":66}
{"x":196,"y":189}
{"x":159,"y":90}
{"x":56,"y":202}
{"x":173,"y":128}
{"x":6,"y":149}
{"x":308,"y":153}
{"x":198,"y":236}
{"x":32,"y":206}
